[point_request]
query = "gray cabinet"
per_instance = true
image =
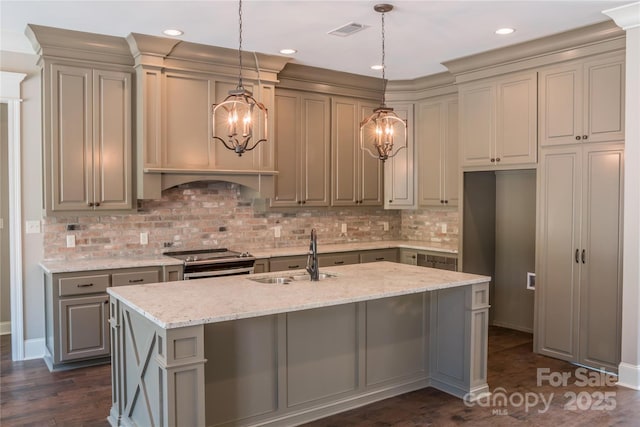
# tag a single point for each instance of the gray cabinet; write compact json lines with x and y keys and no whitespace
{"x":338,"y":258}
{"x":498,"y":119}
{"x":356,"y":177}
{"x":288,"y":263}
{"x":437,"y":148}
{"x":87,"y":138}
{"x":77,"y":313}
{"x":303,"y":139}
{"x":583,"y":101}
{"x":261,"y":266}
{"x":399,"y":182}
{"x":579,"y":254}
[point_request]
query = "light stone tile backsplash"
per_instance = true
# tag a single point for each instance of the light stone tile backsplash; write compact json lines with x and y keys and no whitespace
{"x":213,"y":214}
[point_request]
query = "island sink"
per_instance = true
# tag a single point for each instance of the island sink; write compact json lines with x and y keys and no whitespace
{"x":285,"y":280}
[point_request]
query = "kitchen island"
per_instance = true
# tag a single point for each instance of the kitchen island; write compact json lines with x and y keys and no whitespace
{"x":233,"y":351}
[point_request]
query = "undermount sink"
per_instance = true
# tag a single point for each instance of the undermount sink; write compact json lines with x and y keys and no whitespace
{"x":285,"y":280}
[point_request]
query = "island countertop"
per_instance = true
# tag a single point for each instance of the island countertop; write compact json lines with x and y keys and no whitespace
{"x":194,"y":302}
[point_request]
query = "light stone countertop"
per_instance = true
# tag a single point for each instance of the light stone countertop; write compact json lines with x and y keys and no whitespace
{"x":70,"y":266}
{"x":195,"y":302}
{"x":355,"y":246}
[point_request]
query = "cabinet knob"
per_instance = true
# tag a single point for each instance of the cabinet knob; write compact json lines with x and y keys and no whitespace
{"x":304,"y":201}
{"x":578,"y":138}
{"x":441,"y":201}
{"x":585,"y":136}
{"x":97,"y":204}
{"x":299,"y":202}
{"x":497,"y":159}
{"x":446,"y":201}
{"x":493,"y":160}
{"x":390,"y":201}
{"x":90,"y":204}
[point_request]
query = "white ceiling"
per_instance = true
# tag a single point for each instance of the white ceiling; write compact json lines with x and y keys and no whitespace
{"x":420,"y":35}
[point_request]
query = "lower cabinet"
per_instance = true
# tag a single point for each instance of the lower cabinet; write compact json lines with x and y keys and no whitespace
{"x":287,"y":263}
{"x":377,"y":255}
{"x":338,"y":258}
{"x":429,"y":259}
{"x":77,"y":313}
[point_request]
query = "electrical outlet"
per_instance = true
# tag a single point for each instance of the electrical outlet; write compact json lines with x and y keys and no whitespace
{"x":71,"y":241}
{"x":32,"y":227}
{"x":144,"y":238}
{"x":277,"y":231}
{"x":385,"y":226}
{"x":344,"y":228}
{"x":443,"y":227}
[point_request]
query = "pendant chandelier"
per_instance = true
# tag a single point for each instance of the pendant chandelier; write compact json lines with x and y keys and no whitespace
{"x":378,"y":131}
{"x":233,"y":119}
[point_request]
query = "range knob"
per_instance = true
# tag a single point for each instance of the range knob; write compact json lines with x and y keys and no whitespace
{"x":245,"y":254}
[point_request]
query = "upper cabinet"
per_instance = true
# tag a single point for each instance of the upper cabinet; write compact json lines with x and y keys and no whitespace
{"x":302,"y":136}
{"x":498,"y":122}
{"x":87,"y":138}
{"x":356,"y":176}
{"x":583,"y":101}
{"x":437,"y":151}
{"x":398,"y":170}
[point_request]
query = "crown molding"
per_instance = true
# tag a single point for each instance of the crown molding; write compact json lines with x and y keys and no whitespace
{"x":626,"y":17}
{"x":53,"y":42}
{"x":421,"y":87}
{"x":573,"y":44}
{"x":177,"y":55}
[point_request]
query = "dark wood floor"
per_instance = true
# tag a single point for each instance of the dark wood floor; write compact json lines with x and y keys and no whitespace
{"x":32,"y":396}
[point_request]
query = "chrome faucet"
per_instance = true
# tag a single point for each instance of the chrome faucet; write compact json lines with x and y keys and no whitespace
{"x":312,"y":257}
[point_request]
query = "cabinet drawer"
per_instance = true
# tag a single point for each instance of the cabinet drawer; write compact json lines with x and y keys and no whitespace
{"x":330,"y":260}
{"x":84,"y":285}
{"x":288,"y":263}
{"x":135,"y":278}
{"x":390,"y":255}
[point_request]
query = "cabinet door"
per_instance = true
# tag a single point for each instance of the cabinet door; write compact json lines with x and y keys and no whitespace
{"x":601,"y":262}
{"x":369,"y":177}
{"x":344,"y":157}
{"x":560,"y":98}
{"x":112,"y":186}
{"x":604,"y":99}
{"x":516,"y":138}
{"x":398,"y":170}
{"x":340,"y":258}
{"x":84,"y":331}
{"x":557,"y":293}
{"x":316,"y":145}
{"x":477,"y":124}
{"x":451,"y":161}
{"x":286,"y":138}
{"x":71,"y":156}
{"x":186,"y":122}
{"x":430,"y":147}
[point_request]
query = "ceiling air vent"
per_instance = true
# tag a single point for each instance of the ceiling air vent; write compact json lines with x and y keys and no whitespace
{"x":347,"y":29}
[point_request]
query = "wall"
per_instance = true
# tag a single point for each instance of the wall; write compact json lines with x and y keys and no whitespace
{"x":31,"y":176}
{"x":5,"y":284}
{"x":439,"y":225}
{"x":210,"y":214}
{"x":515,"y":249}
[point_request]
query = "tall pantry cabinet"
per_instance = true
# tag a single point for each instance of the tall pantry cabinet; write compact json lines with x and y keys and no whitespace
{"x":580,"y":205}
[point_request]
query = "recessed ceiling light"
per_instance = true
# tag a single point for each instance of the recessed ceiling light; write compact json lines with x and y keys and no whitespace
{"x":377,"y":67}
{"x":173,"y":32}
{"x":504,"y":31}
{"x":288,"y":51}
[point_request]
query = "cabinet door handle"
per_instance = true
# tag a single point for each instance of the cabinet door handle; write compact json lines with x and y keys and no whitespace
{"x":578,"y":138}
{"x":304,"y":201}
{"x":497,"y":159}
{"x":585,"y":136}
{"x":578,"y":255}
{"x":584,"y":256}
{"x":136,"y":280}
{"x":380,"y":258}
{"x":90,"y":204}
{"x":390,"y":201}
{"x":85,"y":285}
{"x":441,"y":201}
{"x":493,"y":160}
{"x":413,"y":257}
{"x":293,"y":266}
{"x":338,"y":262}
{"x":97,"y":204}
{"x":446,"y":201}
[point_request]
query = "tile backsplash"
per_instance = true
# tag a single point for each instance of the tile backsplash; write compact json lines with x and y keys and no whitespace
{"x":213,"y":214}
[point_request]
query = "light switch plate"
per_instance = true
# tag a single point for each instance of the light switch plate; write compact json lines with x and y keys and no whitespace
{"x":531,"y":281}
{"x":277,"y":231}
{"x":144,"y":238}
{"x":32,"y":227}
{"x":344,"y":228}
{"x":443,"y":227}
{"x":71,"y":241}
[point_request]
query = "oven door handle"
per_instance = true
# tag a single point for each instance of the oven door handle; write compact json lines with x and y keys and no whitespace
{"x":227,"y":272}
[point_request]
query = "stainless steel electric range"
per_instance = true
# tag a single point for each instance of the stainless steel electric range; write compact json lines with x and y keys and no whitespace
{"x":213,"y":262}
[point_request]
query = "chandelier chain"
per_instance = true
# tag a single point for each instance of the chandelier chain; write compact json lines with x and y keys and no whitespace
{"x":384,"y":80}
{"x":240,"y":86}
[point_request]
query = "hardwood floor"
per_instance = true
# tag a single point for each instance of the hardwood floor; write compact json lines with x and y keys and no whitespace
{"x":32,"y":396}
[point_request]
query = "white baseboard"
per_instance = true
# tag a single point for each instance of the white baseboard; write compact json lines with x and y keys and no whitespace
{"x":34,"y":349}
{"x":629,"y":376}
{"x":5,"y":328}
